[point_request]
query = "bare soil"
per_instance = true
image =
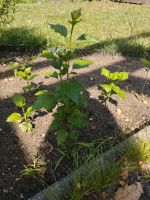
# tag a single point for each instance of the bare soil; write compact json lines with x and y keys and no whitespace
{"x":115,"y":121}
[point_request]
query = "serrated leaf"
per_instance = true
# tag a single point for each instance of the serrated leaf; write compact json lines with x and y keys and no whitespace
{"x":76,"y":14}
{"x":71,"y":89}
{"x":78,"y":64}
{"x":44,"y":100}
{"x":107,"y":87}
{"x":58,"y":28}
{"x":14,"y":117}
{"x":19,"y":100}
{"x":122,"y":76}
{"x":77,"y":119}
{"x":118,"y":91}
{"x":51,"y":74}
{"x":105,"y":72}
{"x":113,"y":76}
{"x":61,"y":136}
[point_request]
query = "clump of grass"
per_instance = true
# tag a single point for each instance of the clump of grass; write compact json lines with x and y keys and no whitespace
{"x":134,"y":154}
{"x":102,"y":177}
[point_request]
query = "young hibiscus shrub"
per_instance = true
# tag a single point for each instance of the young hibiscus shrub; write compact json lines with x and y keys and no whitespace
{"x":111,"y":87}
{"x":67,"y":96}
{"x":24,"y":116}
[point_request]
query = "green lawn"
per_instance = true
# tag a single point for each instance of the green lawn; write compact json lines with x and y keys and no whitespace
{"x":122,"y":28}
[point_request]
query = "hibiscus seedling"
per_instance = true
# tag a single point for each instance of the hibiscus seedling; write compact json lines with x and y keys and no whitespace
{"x":23,"y":71}
{"x":24,"y":118}
{"x":111,"y":87}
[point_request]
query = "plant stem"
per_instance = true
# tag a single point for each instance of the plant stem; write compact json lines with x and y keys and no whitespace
{"x":24,"y":114}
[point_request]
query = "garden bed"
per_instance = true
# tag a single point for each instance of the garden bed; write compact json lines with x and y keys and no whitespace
{"x":111,"y":124}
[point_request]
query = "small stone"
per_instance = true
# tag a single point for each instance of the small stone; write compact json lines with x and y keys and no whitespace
{"x":126,"y":120}
{"x":90,"y":118}
{"x":91,"y":78}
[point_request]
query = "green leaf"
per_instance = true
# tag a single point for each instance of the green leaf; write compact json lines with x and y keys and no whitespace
{"x":118,"y":91}
{"x":146,"y":62}
{"x":113,"y":76}
{"x":14,"y":117}
{"x":47,"y":54}
{"x":58,"y":28}
{"x":122,"y":76}
{"x":41,"y":92}
{"x":78,"y":64}
{"x":22,"y":75}
{"x":71,"y":89}
{"x":62,"y":135}
{"x":107,"y":87}
{"x":76,"y":14}
{"x":28,"y":70}
{"x":51,"y":74}
{"x":105,"y":72}
{"x":31,"y":77}
{"x":19,"y":100}
{"x":44,"y":100}
{"x":77,"y":119}
{"x":29,"y":111}
{"x":87,"y":38}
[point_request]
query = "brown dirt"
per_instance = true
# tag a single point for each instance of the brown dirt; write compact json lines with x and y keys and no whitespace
{"x":17,"y":148}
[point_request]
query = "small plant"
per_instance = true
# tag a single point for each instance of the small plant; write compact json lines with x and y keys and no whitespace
{"x":23,"y":71}
{"x":33,"y":170}
{"x":112,"y":84}
{"x":25,"y":117}
{"x":147,"y":66}
{"x":68,"y":95}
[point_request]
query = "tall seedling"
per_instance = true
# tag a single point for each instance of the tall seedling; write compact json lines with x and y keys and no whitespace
{"x":67,"y":96}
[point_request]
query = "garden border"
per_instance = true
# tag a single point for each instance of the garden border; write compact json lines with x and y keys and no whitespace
{"x":56,"y":190}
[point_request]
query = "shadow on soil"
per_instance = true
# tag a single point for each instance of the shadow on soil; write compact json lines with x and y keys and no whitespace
{"x":12,"y":159}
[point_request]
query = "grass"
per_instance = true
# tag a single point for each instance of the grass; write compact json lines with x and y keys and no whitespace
{"x":101,"y":178}
{"x":120,"y":28}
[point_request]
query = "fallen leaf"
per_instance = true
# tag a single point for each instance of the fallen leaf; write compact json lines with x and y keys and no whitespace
{"x":131,"y":192}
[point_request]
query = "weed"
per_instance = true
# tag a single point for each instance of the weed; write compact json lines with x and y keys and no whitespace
{"x":33,"y":170}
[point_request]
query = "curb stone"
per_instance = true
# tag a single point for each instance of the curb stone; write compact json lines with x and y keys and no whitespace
{"x":58,"y":189}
